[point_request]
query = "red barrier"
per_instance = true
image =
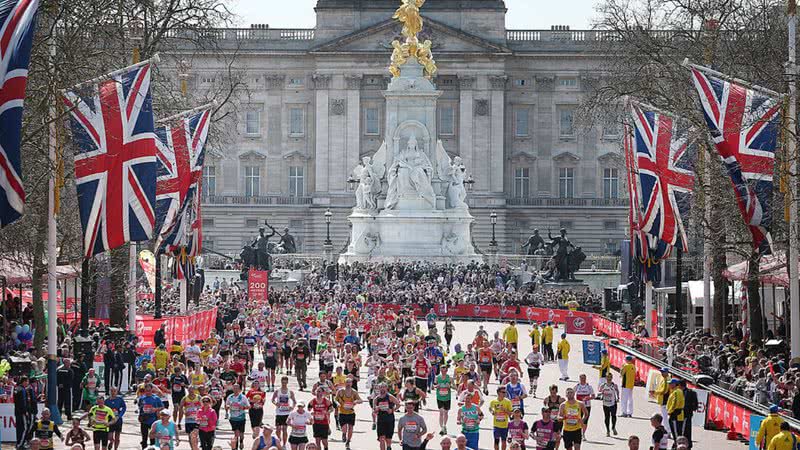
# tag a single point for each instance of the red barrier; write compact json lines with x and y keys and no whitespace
{"x":610,"y":328}
{"x":178,"y":328}
{"x":728,"y":415}
{"x":579,"y":325}
{"x":526,"y":313}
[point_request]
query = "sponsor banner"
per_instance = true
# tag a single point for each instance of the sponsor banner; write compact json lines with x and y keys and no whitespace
{"x":699,"y":417}
{"x":148,"y":262}
{"x":578,"y":325}
{"x":258,"y":286}
{"x":755,"y":424}
{"x":591,"y":352}
{"x":654,"y":378}
{"x":8,"y":423}
{"x":522,"y":313}
{"x":728,"y":415}
{"x":610,"y":328}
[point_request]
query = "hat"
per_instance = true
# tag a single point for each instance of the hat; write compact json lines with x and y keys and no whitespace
{"x":604,"y":351}
{"x":774,"y":409}
{"x":629,"y":358}
{"x":665,"y":369}
{"x":674,"y":381}
{"x":165,"y":412}
{"x":301,"y":404}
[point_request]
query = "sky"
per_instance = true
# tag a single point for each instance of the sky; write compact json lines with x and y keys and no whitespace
{"x":522,"y":14}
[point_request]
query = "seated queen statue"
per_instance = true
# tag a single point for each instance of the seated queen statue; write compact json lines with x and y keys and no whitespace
{"x":410,"y":176}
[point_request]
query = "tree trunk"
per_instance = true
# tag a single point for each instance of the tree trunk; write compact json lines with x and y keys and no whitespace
{"x":119,"y":286}
{"x":754,"y":298}
{"x":37,"y":277}
{"x":719,"y":263}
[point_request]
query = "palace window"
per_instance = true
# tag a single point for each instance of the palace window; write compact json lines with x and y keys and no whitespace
{"x":521,"y":122}
{"x":373,"y":121}
{"x":566,"y":123}
{"x":296,"y":181}
{"x":610,"y":183}
{"x":209,"y":181}
{"x":568,"y":82}
{"x":447,"y":120}
{"x":566,"y":182}
{"x":296,"y":121}
{"x":252,"y":181}
{"x":252,"y":120}
{"x":522,"y":182}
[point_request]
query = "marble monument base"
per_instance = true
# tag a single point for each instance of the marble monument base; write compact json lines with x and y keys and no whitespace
{"x":441,"y":236}
{"x":571,"y":285}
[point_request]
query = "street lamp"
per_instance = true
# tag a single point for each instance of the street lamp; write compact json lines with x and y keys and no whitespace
{"x":469,"y":183}
{"x":352,"y":183}
{"x":493,"y":218}
{"x":328,"y":216}
{"x":183,"y":75}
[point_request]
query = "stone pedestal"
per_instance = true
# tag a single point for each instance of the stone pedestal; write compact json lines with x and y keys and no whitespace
{"x":569,"y":286}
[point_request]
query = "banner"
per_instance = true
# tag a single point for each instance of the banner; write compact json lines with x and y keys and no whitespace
{"x":197,"y":326}
{"x":725,"y":414}
{"x":148,"y":262}
{"x":654,"y":378}
{"x":258,"y":286}
{"x":591,"y":352}
{"x":755,"y":424}
{"x":699,"y":417}
{"x":8,"y":422}
{"x":579,"y":325}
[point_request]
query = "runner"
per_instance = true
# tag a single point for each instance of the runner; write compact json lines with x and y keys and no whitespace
{"x":118,"y":406}
{"x":444,"y":389}
{"x":384,"y":406}
{"x":301,"y":354}
{"x":485,"y":358}
{"x":189,"y":408}
{"x":299,"y":420}
{"x":149,"y":407}
{"x":177,"y":383}
{"x":517,"y":429}
{"x":44,"y":429}
{"x":534,"y":360}
{"x":584,"y":392}
{"x":413,"y":393}
{"x":207,"y":421}
{"x":256,"y":397}
{"x":410,"y":428}
{"x":609,"y":393}
{"x":572,"y":413}
{"x":281,"y":399}
{"x":270,"y":361}
{"x":347,"y":399}
{"x":546,"y":432}
{"x":165,"y":432}
{"x":321,"y":406}
{"x":501,"y":409}
{"x":516,"y":391}
{"x":469,"y":417}
{"x":236,"y":405}
{"x":100,"y":417}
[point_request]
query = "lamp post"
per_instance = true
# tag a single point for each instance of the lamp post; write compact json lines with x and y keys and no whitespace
{"x":493,"y":243}
{"x":328,"y":216}
{"x":352,"y":183}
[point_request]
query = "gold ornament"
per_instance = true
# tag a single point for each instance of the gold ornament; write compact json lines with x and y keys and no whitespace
{"x":425,"y":58}
{"x":408,"y":15}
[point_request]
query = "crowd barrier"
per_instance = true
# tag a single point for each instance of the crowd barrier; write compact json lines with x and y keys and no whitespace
{"x":178,"y":328}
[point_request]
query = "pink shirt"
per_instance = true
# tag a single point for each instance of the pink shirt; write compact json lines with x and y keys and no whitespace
{"x":207,"y":419}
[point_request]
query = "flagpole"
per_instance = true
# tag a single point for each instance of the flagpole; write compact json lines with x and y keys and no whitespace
{"x":725,"y":77}
{"x":188,"y":112}
{"x":154,"y":59}
{"x":791,"y":148}
{"x":132,"y":289}
{"x":52,"y":294}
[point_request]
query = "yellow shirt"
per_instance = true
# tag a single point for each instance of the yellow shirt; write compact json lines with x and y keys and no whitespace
{"x":628,"y":373}
{"x":547,"y":334}
{"x":339,"y":381}
{"x":199,"y":379}
{"x":160,"y":359}
{"x":605,"y":364}
{"x":501,"y":410}
{"x":662,"y":392}
{"x":510,"y":334}
{"x":572,"y":415}
{"x":204,"y":355}
{"x":536,"y":336}
{"x":563,"y":349}
{"x":676,"y":402}
{"x":770,"y":427}
{"x":784,"y":440}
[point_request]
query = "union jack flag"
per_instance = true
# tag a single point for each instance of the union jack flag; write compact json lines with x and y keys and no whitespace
{"x":744,"y":126}
{"x":638,"y":240}
{"x":18,"y":19}
{"x":664,"y":163}
{"x":115,"y":164}
{"x":181,"y":152}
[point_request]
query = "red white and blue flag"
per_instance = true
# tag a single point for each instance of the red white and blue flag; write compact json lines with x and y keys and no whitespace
{"x":115,"y":163}
{"x":664,"y":162}
{"x":181,"y":152}
{"x":18,"y":19}
{"x":744,"y":125}
{"x":638,"y":240}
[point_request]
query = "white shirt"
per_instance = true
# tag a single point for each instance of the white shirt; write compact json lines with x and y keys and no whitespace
{"x":584,"y":393}
{"x":299,"y":422}
{"x":534,"y":359}
{"x":259,"y":375}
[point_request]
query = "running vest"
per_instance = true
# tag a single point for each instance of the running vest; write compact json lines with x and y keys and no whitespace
{"x":572,"y":416}
{"x":44,"y":432}
{"x":470,"y":420}
{"x":544,"y":432}
{"x":514,"y":394}
{"x":383,"y":405}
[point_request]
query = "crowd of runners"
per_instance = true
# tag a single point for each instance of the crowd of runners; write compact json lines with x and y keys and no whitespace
{"x":384,"y":358}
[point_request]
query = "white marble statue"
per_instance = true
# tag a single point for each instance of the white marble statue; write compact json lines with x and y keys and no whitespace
{"x":452,"y":173}
{"x":369,"y":185}
{"x":410,"y":174}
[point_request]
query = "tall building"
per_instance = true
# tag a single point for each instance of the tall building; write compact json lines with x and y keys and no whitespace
{"x":315,"y":106}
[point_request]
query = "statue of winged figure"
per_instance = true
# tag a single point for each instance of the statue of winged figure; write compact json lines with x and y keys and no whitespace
{"x":369,"y":184}
{"x":399,"y":57}
{"x":408,"y":15}
{"x":425,"y":58}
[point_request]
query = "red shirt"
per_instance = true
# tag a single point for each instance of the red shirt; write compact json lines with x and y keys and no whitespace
{"x":422,"y":367}
{"x":257,"y":403}
{"x":320,"y":410}
{"x":237,"y":367}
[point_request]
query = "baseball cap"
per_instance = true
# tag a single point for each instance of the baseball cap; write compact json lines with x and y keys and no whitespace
{"x":665,"y":369}
{"x":674,"y":381}
{"x":774,"y":408}
{"x":629,"y":358}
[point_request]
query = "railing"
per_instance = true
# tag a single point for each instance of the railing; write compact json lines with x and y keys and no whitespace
{"x":537,"y":201}
{"x":614,"y":35}
{"x":259,"y":200}
{"x":246,"y":34}
{"x":601,"y":263}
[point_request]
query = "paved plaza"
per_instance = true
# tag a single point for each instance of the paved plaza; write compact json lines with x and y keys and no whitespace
{"x":364,"y":438}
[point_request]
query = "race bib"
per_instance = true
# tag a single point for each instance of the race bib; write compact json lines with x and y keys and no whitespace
{"x":470,"y":422}
{"x":301,"y":356}
{"x":319,"y":416}
{"x":299,"y":429}
{"x":501,"y":416}
{"x":411,"y":426}
{"x":177,"y":388}
{"x":164,"y":439}
{"x":203,"y":422}
{"x":147,"y":409}
{"x":349,"y":405}
{"x":383,"y":406}
{"x":443,"y":391}
{"x":91,"y":384}
{"x":100,"y":416}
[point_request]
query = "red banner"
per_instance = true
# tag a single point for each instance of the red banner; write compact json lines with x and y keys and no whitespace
{"x":258,"y":286}
{"x":579,"y":325}
{"x":178,"y":328}
{"x":724,"y":414}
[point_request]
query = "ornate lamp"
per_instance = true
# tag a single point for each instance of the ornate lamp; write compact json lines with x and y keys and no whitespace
{"x":352,"y":183}
{"x":328,"y":217}
{"x":493,"y":219}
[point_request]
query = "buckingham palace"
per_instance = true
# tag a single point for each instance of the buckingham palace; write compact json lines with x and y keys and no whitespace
{"x":507,"y":107}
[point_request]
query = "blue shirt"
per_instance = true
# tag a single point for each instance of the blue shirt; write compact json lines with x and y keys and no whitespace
{"x":118,"y":405}
{"x":514,"y":393}
{"x":148,"y":408}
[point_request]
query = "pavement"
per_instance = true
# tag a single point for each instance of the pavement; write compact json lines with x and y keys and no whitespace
{"x":365,"y":439}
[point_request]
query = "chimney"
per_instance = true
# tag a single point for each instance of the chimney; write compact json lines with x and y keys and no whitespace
{"x":259,"y":26}
{"x":559,"y":28}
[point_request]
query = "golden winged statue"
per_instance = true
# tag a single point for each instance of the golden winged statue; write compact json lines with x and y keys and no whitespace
{"x":399,"y":57}
{"x":425,"y":58}
{"x":408,"y":15}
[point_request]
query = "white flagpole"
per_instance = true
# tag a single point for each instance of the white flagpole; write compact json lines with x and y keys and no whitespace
{"x":188,"y":112}
{"x":791,"y":148}
{"x":52,"y":289}
{"x":726,"y":77}
{"x":153,"y":60}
